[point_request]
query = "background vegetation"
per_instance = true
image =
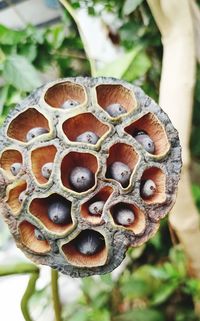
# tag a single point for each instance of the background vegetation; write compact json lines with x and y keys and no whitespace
{"x":154,"y":285}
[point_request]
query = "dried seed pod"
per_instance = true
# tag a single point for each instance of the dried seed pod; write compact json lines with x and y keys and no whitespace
{"x":38,"y":234}
{"x":96,"y":208}
{"x":46,"y":170}
{"x":145,"y":141}
{"x":88,"y":137}
{"x":34,"y":132}
{"x":81,"y":179}
{"x":59,"y":212}
{"x":93,"y":208}
{"x":124,"y":216}
{"x":120,"y":172}
{"x":148,"y":188}
{"x":115,"y":110}
{"x":70,"y":103}
{"x":15,"y":168}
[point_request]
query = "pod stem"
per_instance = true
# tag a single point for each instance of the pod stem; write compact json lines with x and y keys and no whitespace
{"x":55,"y":295}
{"x":27,"y":295}
{"x":72,"y":13}
{"x":23,"y":268}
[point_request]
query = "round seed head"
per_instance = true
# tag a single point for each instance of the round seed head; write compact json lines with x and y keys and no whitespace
{"x":148,"y":188}
{"x":96,"y":208}
{"x":146,"y":142}
{"x":120,"y":172}
{"x":70,"y":103}
{"x":59,"y":212}
{"x":124,"y":216}
{"x":38,"y":234}
{"x":34,"y":132}
{"x":22,"y":196}
{"x":88,"y":137}
{"x":115,"y":110}
{"x":89,"y":244}
{"x":81,"y":179}
{"x":15,"y":168}
{"x":46,"y":170}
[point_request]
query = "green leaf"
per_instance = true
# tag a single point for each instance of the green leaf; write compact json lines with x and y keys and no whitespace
{"x":135,"y":288}
{"x":138,"y":67}
{"x":163,"y":293}
{"x":11,"y":37}
{"x":130,"y":6}
{"x":140,"y":315}
{"x":19,"y":72}
{"x":55,"y":36}
{"x":28,"y":50}
{"x":3,"y":97}
{"x":119,"y":66}
{"x":2,"y":56}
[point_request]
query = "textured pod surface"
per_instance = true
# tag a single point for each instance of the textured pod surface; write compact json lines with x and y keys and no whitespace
{"x":81,"y":222}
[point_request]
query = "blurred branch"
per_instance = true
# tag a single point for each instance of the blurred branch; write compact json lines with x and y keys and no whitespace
{"x":27,"y":295}
{"x":55,"y":295}
{"x":72,"y":13}
{"x":175,"y":21}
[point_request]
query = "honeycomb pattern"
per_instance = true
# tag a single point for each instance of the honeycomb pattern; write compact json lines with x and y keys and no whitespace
{"x":70,"y":125}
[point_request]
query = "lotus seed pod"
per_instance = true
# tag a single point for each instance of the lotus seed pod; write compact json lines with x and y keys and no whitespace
{"x":115,"y":110}
{"x":38,"y":234}
{"x":124,"y":216}
{"x":148,"y":188}
{"x":120,"y":172}
{"x":100,"y":199}
{"x":96,"y":208}
{"x":34,"y":132}
{"x":59,"y":213}
{"x":81,"y":179}
{"x":15,"y":168}
{"x":87,"y":137}
{"x":47,"y":170}
{"x":146,"y":142}
{"x":70,"y":103}
{"x":89,"y":244}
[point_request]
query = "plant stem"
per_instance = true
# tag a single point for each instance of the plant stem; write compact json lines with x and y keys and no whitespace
{"x":27,"y":295}
{"x":55,"y":295}
{"x":72,"y":13}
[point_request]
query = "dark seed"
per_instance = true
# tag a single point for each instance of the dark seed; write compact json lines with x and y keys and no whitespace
{"x":59,"y":212}
{"x":22,"y":196}
{"x":34,"y":132}
{"x":15,"y":168}
{"x":70,"y":103}
{"x":46,"y":170}
{"x":38,"y":234}
{"x":148,"y":188}
{"x":120,"y":172}
{"x":124,"y":216}
{"x":90,"y":243}
{"x":96,"y":208}
{"x":88,"y":137}
{"x":146,"y":142}
{"x":115,"y":110}
{"x":81,"y":179}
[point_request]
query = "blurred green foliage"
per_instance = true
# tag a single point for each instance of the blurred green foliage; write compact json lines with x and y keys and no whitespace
{"x":154,"y":286}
